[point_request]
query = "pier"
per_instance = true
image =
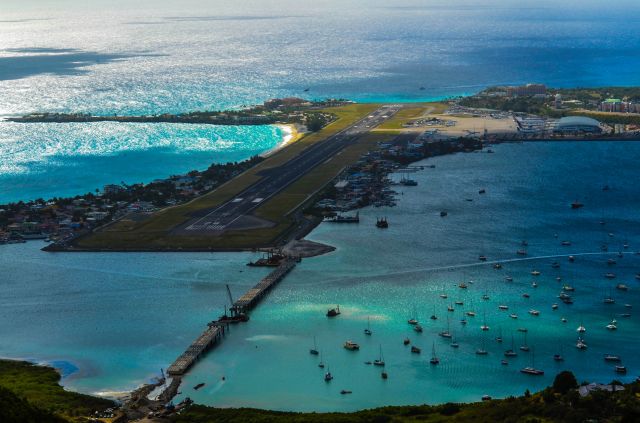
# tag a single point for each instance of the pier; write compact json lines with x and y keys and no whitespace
{"x":216,"y":329}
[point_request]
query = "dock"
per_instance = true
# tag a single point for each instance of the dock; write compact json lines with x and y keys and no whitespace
{"x":215,"y":330}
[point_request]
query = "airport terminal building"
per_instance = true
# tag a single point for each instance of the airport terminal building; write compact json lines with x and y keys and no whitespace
{"x":576,"y":125}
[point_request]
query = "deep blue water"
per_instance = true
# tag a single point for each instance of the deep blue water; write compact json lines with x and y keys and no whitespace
{"x":119,"y":318}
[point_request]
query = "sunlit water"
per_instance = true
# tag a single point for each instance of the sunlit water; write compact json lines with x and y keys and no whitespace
{"x":119,"y":318}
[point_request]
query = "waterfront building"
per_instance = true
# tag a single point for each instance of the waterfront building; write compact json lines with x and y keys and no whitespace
{"x":618,"y":105}
{"x":577,"y":124}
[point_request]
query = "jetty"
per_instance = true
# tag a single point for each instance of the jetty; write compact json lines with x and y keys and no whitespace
{"x":216,"y":329}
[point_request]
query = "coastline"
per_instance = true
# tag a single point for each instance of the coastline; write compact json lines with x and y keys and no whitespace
{"x":290,"y":135}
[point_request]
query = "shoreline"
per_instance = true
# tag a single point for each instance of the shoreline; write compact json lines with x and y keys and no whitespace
{"x":290,"y":135}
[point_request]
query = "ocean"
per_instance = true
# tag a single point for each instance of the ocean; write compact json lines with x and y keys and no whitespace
{"x":111,"y":321}
{"x":120,"y":318}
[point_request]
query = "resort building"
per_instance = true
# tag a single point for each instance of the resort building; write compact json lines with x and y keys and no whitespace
{"x":617,"y":105}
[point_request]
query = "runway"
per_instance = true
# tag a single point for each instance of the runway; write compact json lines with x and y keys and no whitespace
{"x":229,"y":214}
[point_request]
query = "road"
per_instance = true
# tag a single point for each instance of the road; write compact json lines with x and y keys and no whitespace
{"x":276,"y":179}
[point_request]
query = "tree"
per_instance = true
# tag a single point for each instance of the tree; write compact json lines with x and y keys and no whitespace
{"x":564,"y":382}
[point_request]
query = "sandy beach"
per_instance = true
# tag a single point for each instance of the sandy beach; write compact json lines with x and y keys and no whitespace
{"x":290,"y":134}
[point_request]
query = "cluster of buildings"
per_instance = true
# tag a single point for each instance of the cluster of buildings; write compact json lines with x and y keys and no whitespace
{"x":620,"y":106}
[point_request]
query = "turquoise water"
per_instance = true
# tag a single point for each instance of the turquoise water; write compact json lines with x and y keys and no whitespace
{"x":120,"y":317}
{"x":39,"y":160}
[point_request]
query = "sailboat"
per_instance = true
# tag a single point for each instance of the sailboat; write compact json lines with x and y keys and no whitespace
{"x":380,"y":360}
{"x":558,"y":357}
{"x":367,"y":331}
{"x":328,"y":376}
{"x":499,"y":337}
{"x":525,"y":347}
{"x":321,"y":364}
{"x":314,"y":350}
{"x":433,"y":316}
{"x":511,"y":352}
{"x":413,"y":320}
{"x":581,"y":328}
{"x":532,"y":370}
{"x":434,"y":358}
{"x":481,"y":350}
{"x":446,"y":333}
{"x":454,"y":343}
{"x":484,"y":324}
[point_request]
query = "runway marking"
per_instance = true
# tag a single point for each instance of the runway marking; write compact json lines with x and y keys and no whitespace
{"x":257,"y":200}
{"x":237,"y":200}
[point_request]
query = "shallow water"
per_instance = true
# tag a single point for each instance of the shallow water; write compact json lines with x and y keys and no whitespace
{"x":121,"y":317}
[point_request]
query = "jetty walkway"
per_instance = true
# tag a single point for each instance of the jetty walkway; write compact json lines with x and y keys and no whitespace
{"x":216,"y":329}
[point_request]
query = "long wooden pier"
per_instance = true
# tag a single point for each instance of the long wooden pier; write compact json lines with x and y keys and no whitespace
{"x":216,"y":329}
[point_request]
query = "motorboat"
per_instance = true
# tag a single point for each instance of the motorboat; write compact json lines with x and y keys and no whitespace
{"x":351,"y":346}
{"x":535,"y":273}
{"x":333,"y":312}
{"x":613,"y":358}
{"x":534,"y":312}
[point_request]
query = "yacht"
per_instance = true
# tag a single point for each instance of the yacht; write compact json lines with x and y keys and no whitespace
{"x":504,"y":362}
{"x":412,"y":322}
{"x":351,"y":346}
{"x":314,"y":350}
{"x":367,"y":331}
{"x":622,"y":287}
{"x":610,"y":275}
{"x":614,"y":358}
{"x":511,"y":352}
{"x":484,"y":326}
{"x":581,"y":329}
{"x":554,"y":306}
{"x":612,"y":326}
{"x":434,"y":358}
{"x":534,"y":312}
{"x":532,"y":371}
{"x":568,"y":288}
{"x":459,"y":303}
{"x":446,"y":333}
{"x":470,"y":313}
{"x":565,"y":243}
{"x":328,"y":376}
{"x":482,"y":350}
{"x":333,"y":312}
{"x":380,"y":360}
{"x":503,"y":307}
{"x":580,"y":344}
{"x":443,"y":296}
{"x":621,"y":369}
{"x":508,"y":279}
{"x":535,"y":273}
{"x":513,"y":316}
{"x":524,"y":347}
{"x":611,"y":262}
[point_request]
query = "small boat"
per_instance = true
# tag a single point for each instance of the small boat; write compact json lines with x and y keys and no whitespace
{"x":444,"y":296}
{"x":454,"y":344}
{"x":351,"y":346}
{"x":534,"y":284}
{"x":367,"y":330}
{"x":503,"y":307}
{"x":417,"y":328}
{"x":554,"y":306}
{"x":608,"y":300}
{"x":382,"y":223}
{"x":443,"y":213}
{"x":580,"y":344}
{"x":345,"y":392}
{"x":508,"y":279}
{"x":521,"y":252}
{"x":412,"y":322}
{"x":333,"y":312}
{"x":610,"y":275}
{"x":470,"y":313}
{"x":622,"y":287}
{"x":513,"y":316}
{"x":625,"y":315}
{"x":558,"y":278}
{"x":581,"y":329}
{"x":565,"y":243}
{"x":482,"y":191}
{"x":463,"y":321}
{"x":563,"y":320}
{"x":558,"y":357}
{"x":415,"y":350}
{"x":314,"y":350}
{"x":535,"y":273}
{"x":525,"y":295}
{"x":504,"y":362}
{"x":406,"y":341}
{"x":576,"y":205}
{"x":434,"y":359}
{"x":497,"y":266}
{"x":384,"y":375}
{"x":511,"y":352}
{"x":555,"y":265}
{"x":568,"y":288}
{"x":459,"y":303}
{"x":380,"y":360}
{"x":450,"y":308}
{"x":611,"y":262}
{"x":534,"y":312}
{"x":462,"y":285}
{"x":572,"y":259}
{"x":198,"y":386}
{"x":621,"y":369}
{"x":613,"y":358}
{"x":628,"y":305}
{"x":524,"y":347}
{"x":612,"y":326}
{"x":482,"y":258}
{"x":486,"y":398}
{"x":485,"y":297}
